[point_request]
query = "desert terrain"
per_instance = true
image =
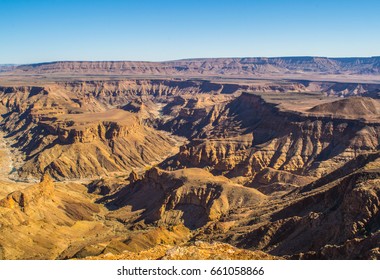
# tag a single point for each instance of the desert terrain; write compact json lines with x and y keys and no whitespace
{"x":225,"y":158}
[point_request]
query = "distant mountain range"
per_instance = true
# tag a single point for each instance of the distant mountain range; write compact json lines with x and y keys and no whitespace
{"x":254,"y":66}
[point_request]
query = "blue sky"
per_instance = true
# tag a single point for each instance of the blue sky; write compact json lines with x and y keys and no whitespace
{"x":38,"y":31}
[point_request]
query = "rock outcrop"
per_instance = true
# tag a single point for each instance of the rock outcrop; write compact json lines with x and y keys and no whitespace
{"x":196,"y":251}
{"x":30,"y":196}
{"x":190,"y":196}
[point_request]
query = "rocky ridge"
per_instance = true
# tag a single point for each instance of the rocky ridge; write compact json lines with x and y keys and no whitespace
{"x":198,"y":251}
{"x":213,"y":66}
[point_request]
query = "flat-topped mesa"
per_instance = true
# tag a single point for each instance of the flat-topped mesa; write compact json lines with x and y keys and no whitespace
{"x":354,"y":107}
{"x":96,"y":144}
{"x":120,"y":92}
{"x":96,"y":131}
{"x":88,"y":127}
{"x":212,"y":66}
{"x":30,"y":196}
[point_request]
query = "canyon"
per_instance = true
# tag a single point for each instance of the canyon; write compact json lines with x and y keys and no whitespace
{"x":230,"y":158}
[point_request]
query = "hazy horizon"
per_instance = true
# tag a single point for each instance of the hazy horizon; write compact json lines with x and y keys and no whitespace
{"x":49,"y":31}
{"x":191,"y":58}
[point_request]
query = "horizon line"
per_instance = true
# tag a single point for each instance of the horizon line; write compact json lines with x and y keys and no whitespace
{"x":192,"y":58}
